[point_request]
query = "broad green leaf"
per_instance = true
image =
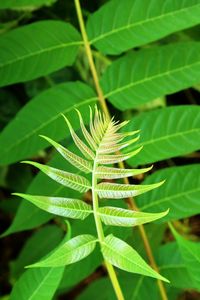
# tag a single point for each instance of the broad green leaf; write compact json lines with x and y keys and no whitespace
{"x":119,"y":26}
{"x":166,"y":132}
{"x":65,"y":207}
{"x":119,"y":191}
{"x":180,"y":193}
{"x":74,"y":159}
{"x":76,"y":182}
{"x":40,"y":283}
{"x":20,"y":138}
{"x":172,"y":266}
{"x":33,"y":47}
{"x":17,"y":4}
{"x":190,"y":252}
{"x":30,"y":254}
{"x":123,"y":256}
{"x":147,"y":74}
{"x":113,"y":173}
{"x":70,"y":252}
{"x":123,"y":217}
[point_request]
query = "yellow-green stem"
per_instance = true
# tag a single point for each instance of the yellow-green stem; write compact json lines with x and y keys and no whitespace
{"x":100,"y":233}
{"x":130,"y":201}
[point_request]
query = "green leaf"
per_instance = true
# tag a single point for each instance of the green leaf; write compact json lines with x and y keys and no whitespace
{"x":79,"y":271}
{"x":113,"y":173}
{"x":116,"y":158}
{"x":119,"y":191}
{"x":174,"y":268}
{"x":37,"y":284}
{"x":87,"y":152}
{"x":65,"y":207}
{"x":74,"y":159}
{"x":20,"y":138}
{"x":190,"y":252}
{"x":123,"y":256}
{"x":13,"y":4}
{"x":166,"y":133}
{"x":57,"y":42}
{"x":70,"y":252}
{"x":123,"y":217}
{"x":145,"y":75}
{"x":180,"y":193}
{"x":30,"y":254}
{"x":119,"y":26}
{"x":76,"y":182}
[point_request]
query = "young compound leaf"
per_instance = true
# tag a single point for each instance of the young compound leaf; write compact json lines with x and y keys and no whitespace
{"x":123,"y":217}
{"x":119,"y":191}
{"x":121,"y":25}
{"x":76,"y":182}
{"x":74,"y":159}
{"x":65,"y":207}
{"x":70,"y":252}
{"x":113,"y":173}
{"x":123,"y":256}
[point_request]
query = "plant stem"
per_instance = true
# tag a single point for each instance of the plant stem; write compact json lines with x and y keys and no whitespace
{"x":100,"y":233}
{"x":130,"y":201}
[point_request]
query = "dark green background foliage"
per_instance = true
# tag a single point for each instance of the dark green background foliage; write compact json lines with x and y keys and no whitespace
{"x":147,"y":55}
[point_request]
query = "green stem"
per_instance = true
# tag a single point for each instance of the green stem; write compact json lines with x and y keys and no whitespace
{"x":100,"y":233}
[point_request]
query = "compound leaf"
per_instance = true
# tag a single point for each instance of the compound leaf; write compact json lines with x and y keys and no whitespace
{"x":70,"y":252}
{"x":118,"y":26}
{"x":123,"y":256}
{"x":65,"y":207}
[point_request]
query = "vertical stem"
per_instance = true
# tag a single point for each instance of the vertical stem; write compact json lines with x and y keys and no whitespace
{"x":100,"y":233}
{"x":130,"y":201}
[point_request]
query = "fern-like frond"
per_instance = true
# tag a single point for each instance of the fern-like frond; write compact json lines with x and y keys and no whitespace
{"x":70,"y":180}
{"x":75,"y":160}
